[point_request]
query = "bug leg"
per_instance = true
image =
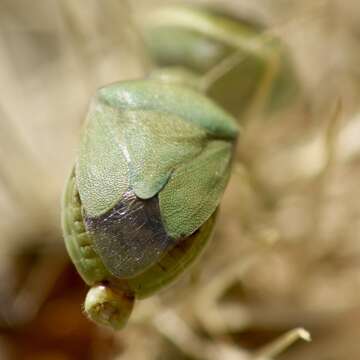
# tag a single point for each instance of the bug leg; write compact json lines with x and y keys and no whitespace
{"x":106,"y":307}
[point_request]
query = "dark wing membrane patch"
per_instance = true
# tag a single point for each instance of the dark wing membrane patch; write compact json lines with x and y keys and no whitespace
{"x":130,"y":237}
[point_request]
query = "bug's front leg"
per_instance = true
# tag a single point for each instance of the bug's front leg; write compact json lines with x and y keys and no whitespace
{"x":108,"y":307}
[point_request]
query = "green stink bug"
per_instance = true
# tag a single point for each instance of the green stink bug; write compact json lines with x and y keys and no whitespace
{"x":141,"y":202}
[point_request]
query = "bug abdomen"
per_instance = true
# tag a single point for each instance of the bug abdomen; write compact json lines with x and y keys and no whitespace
{"x":174,"y":261}
{"x":77,"y":240}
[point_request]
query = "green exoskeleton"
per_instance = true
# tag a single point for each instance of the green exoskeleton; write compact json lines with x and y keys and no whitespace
{"x":232,"y":60}
{"x":141,"y":201}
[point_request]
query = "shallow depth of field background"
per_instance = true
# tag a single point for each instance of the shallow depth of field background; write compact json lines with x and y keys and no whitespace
{"x":286,"y":252}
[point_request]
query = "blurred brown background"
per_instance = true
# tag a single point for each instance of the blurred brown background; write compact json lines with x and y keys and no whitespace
{"x":286,"y":251}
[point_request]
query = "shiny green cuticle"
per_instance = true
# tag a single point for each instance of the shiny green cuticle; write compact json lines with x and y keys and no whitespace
{"x":141,"y":203}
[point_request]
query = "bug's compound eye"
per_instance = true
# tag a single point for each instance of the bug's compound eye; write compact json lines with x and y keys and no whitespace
{"x":107,"y":307}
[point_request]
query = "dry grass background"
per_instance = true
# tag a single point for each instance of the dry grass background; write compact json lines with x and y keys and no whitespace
{"x":286,"y":252}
